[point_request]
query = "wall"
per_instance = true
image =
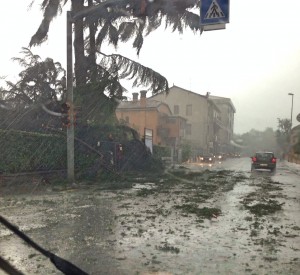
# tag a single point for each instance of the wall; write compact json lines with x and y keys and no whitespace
{"x":199,"y":117}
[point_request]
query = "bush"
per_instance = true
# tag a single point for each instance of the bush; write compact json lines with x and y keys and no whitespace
{"x":27,"y":151}
{"x":30,"y":151}
{"x":161,"y":151}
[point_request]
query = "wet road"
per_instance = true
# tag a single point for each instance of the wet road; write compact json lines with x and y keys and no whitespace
{"x":219,"y":220}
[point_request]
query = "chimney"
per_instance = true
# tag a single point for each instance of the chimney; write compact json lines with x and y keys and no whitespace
{"x":135,"y":97}
{"x":143,"y":98}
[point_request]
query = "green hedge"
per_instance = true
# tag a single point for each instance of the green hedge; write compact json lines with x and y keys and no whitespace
{"x":26,"y":151}
{"x":22,"y":151}
{"x":161,"y":151}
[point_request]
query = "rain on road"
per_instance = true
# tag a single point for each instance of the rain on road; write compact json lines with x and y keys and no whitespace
{"x":193,"y":220}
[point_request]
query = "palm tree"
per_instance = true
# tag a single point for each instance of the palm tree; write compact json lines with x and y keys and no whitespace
{"x":113,"y":26}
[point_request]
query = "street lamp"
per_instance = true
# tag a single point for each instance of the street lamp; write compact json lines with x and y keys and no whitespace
{"x":292,"y":108}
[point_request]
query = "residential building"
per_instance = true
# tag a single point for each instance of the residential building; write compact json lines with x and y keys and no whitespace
{"x":225,"y":134}
{"x":201,"y":114}
{"x":294,"y":151}
{"x":167,"y":129}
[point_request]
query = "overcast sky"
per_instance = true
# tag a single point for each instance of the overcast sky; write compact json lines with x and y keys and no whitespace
{"x":255,"y":61}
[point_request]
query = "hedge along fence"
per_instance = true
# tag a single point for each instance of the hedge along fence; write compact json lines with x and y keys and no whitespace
{"x":31,"y":151}
{"x":27,"y":151}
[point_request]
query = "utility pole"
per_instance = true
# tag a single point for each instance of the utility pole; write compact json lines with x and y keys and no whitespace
{"x":70,"y":128}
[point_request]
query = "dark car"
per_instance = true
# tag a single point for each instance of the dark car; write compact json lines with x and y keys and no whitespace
{"x":207,"y":159}
{"x":263,"y":160}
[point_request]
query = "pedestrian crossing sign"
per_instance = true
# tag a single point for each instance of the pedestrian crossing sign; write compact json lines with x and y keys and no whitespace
{"x":214,"y":12}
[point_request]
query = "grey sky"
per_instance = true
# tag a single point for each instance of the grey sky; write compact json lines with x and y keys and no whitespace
{"x":255,"y":61}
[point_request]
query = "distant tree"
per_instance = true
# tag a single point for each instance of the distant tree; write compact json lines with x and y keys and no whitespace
{"x":284,"y":126}
{"x":283,"y":133}
{"x":255,"y":140}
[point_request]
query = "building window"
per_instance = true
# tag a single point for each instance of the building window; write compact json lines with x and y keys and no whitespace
{"x":176,"y":109}
{"x":188,"y":129}
{"x":189,"y":110}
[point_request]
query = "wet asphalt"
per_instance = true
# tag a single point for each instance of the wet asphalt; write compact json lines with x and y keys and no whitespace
{"x":251,"y":223}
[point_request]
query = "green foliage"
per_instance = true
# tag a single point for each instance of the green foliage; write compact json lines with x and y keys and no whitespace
{"x":186,"y":151}
{"x":94,"y":107}
{"x":283,"y":133}
{"x":29,"y":151}
{"x":122,"y":22}
{"x":40,"y":81}
{"x":25,"y":151}
{"x":161,"y":151}
{"x":143,"y":76}
{"x":284,"y":126}
{"x":32,"y":151}
{"x":258,"y":141}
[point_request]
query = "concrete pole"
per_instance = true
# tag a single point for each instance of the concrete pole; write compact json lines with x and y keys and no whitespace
{"x":70,"y":129}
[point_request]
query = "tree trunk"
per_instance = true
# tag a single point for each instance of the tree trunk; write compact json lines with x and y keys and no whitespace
{"x":80,"y":60}
{"x":92,"y":52}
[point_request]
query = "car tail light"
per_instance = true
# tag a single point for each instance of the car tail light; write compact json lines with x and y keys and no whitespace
{"x":254,"y":159}
{"x":273,"y":160}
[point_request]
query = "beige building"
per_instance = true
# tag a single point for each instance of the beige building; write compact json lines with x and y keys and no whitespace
{"x":225,"y":133}
{"x":293,"y":154}
{"x":202,"y":117}
{"x":154,"y":115}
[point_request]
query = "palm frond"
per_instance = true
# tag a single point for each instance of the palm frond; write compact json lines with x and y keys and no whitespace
{"x":129,"y":69}
{"x":138,"y":42}
{"x":176,"y":14}
{"x":113,"y":35}
{"x":153,"y":24}
{"x":51,"y":9}
{"x":102,"y":34}
{"x":126,"y":30}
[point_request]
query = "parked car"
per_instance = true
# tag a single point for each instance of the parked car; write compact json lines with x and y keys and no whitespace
{"x":263,"y":160}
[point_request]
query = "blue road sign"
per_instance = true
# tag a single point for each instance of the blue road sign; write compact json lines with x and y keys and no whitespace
{"x":214,"y":12}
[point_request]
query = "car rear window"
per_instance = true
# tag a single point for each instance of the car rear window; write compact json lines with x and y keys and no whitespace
{"x":264,"y":155}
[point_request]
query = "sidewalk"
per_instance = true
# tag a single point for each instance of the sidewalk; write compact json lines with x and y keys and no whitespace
{"x":294,"y":167}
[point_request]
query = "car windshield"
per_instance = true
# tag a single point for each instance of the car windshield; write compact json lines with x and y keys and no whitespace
{"x":150,"y":137}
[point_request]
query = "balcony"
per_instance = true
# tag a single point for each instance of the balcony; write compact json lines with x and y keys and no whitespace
{"x":219,"y":123}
